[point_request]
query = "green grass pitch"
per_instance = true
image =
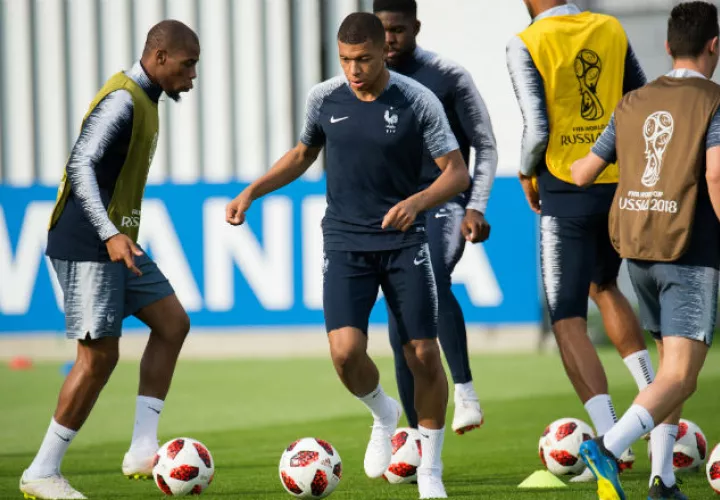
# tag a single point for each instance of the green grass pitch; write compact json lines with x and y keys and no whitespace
{"x":247,"y":411}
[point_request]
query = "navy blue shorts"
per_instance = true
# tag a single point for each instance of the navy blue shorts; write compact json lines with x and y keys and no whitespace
{"x":352,"y":281}
{"x":575,"y":251}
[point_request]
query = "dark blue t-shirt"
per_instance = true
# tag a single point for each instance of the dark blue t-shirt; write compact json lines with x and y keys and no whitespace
{"x":374,"y":154}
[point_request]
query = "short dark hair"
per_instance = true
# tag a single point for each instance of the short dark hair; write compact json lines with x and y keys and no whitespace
{"x":360,"y":27}
{"x":690,"y":27}
{"x":170,"y":35}
{"x":405,"y":6}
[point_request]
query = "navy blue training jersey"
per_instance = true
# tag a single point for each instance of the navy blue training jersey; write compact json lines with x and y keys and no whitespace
{"x":468,"y":116}
{"x":374,"y":157}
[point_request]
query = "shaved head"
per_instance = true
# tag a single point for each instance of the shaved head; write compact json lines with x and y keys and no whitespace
{"x":171,"y":53}
{"x":170,"y":35}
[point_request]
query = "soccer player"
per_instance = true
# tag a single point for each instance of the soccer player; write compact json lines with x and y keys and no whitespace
{"x":569,"y":69}
{"x":451,"y":224}
{"x":376,"y":126}
{"x":666,"y":139}
{"x":103,"y":274}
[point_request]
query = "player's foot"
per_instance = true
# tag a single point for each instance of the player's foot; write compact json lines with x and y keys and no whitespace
{"x":430,"y":484}
{"x":585,"y":476}
{"x":604,"y":466}
{"x":468,"y":416}
{"x":48,"y":488}
{"x":379,"y":450}
{"x":658,"y":491}
{"x":134,"y":467}
{"x":626,"y":460}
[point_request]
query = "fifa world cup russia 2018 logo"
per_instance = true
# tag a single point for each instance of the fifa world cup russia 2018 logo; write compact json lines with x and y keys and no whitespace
{"x":658,"y":132}
{"x":588,"y":67}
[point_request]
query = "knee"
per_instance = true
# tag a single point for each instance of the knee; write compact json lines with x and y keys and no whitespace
{"x":345,"y":356}
{"x":98,"y":363}
{"x":175,"y":329}
{"x":425,"y":356}
{"x":598,"y":291}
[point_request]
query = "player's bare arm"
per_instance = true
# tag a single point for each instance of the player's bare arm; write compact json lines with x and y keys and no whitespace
{"x":712,"y":175}
{"x":453,"y":181}
{"x":292,"y":165}
{"x":585,"y":170}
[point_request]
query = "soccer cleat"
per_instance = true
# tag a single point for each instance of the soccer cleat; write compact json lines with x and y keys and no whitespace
{"x":430,"y":484}
{"x":658,"y":491}
{"x":604,"y":466}
{"x":468,"y":416}
{"x":49,"y":488}
{"x":585,"y":476}
{"x":627,"y":460}
{"x":138,"y":468}
{"x":379,"y":450}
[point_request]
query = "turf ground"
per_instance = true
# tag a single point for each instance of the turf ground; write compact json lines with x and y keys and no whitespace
{"x":247,"y":411}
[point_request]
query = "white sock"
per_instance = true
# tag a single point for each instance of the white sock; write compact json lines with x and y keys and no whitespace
{"x":641,"y":368}
{"x":465,"y":392}
{"x":147,"y":415}
{"x":431,"y":441}
{"x":662,"y":441}
{"x":378,"y":403}
{"x":602,"y":413}
{"x":631,"y":427}
{"x":51,"y":452}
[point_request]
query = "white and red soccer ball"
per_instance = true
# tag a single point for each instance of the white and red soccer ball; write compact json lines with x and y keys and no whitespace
{"x":690,"y":449}
{"x":310,"y":468}
{"x":559,"y":446}
{"x":183,"y":466}
{"x":712,"y":469}
{"x":406,"y":456}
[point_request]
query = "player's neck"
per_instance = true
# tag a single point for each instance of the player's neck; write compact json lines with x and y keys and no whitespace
{"x":699,"y":65}
{"x":375,"y":90}
{"x":545,"y":5}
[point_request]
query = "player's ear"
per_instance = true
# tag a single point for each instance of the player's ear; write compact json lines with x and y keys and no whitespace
{"x":713,"y":46}
{"x":161,"y":56}
{"x":667,"y":48}
{"x":416,"y":28}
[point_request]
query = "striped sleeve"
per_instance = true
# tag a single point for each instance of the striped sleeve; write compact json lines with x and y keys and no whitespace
{"x":604,"y":147}
{"x":530,"y":94}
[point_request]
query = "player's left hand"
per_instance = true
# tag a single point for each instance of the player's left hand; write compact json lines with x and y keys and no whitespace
{"x":235,"y":210}
{"x":474,"y":227}
{"x":401,"y":216}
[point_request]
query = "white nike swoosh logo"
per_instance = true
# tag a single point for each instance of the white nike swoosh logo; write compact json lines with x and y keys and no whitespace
{"x":335,"y":120}
{"x":418,"y":262}
{"x":439,"y":215}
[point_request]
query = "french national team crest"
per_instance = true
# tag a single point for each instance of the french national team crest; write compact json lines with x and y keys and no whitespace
{"x":391,"y":120}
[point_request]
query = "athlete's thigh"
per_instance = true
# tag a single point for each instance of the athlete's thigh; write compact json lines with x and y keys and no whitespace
{"x":350,"y":289}
{"x":143,"y":291}
{"x":647,"y":290}
{"x":607,"y":260}
{"x":408,"y":283}
{"x":94,"y":294}
{"x":442,"y":225}
{"x":688,"y":300}
{"x":567,"y":249}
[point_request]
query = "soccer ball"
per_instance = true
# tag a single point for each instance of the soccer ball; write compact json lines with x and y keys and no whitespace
{"x":406,"y":456}
{"x":183,"y":466}
{"x":310,"y":468}
{"x":559,"y":446}
{"x":713,"y":469}
{"x":690,"y":448}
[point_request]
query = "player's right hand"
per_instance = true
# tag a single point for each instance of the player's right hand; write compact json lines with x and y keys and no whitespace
{"x":235,"y":210}
{"x":531,"y":192}
{"x":122,"y":249}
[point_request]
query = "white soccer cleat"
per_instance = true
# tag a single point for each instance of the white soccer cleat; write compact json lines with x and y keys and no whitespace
{"x":49,"y":488}
{"x":378,"y":454}
{"x":585,"y":476}
{"x":138,"y":468}
{"x":468,"y":416}
{"x":430,"y":484}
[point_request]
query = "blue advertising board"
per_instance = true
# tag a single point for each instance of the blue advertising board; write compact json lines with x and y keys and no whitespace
{"x":267,"y":272}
